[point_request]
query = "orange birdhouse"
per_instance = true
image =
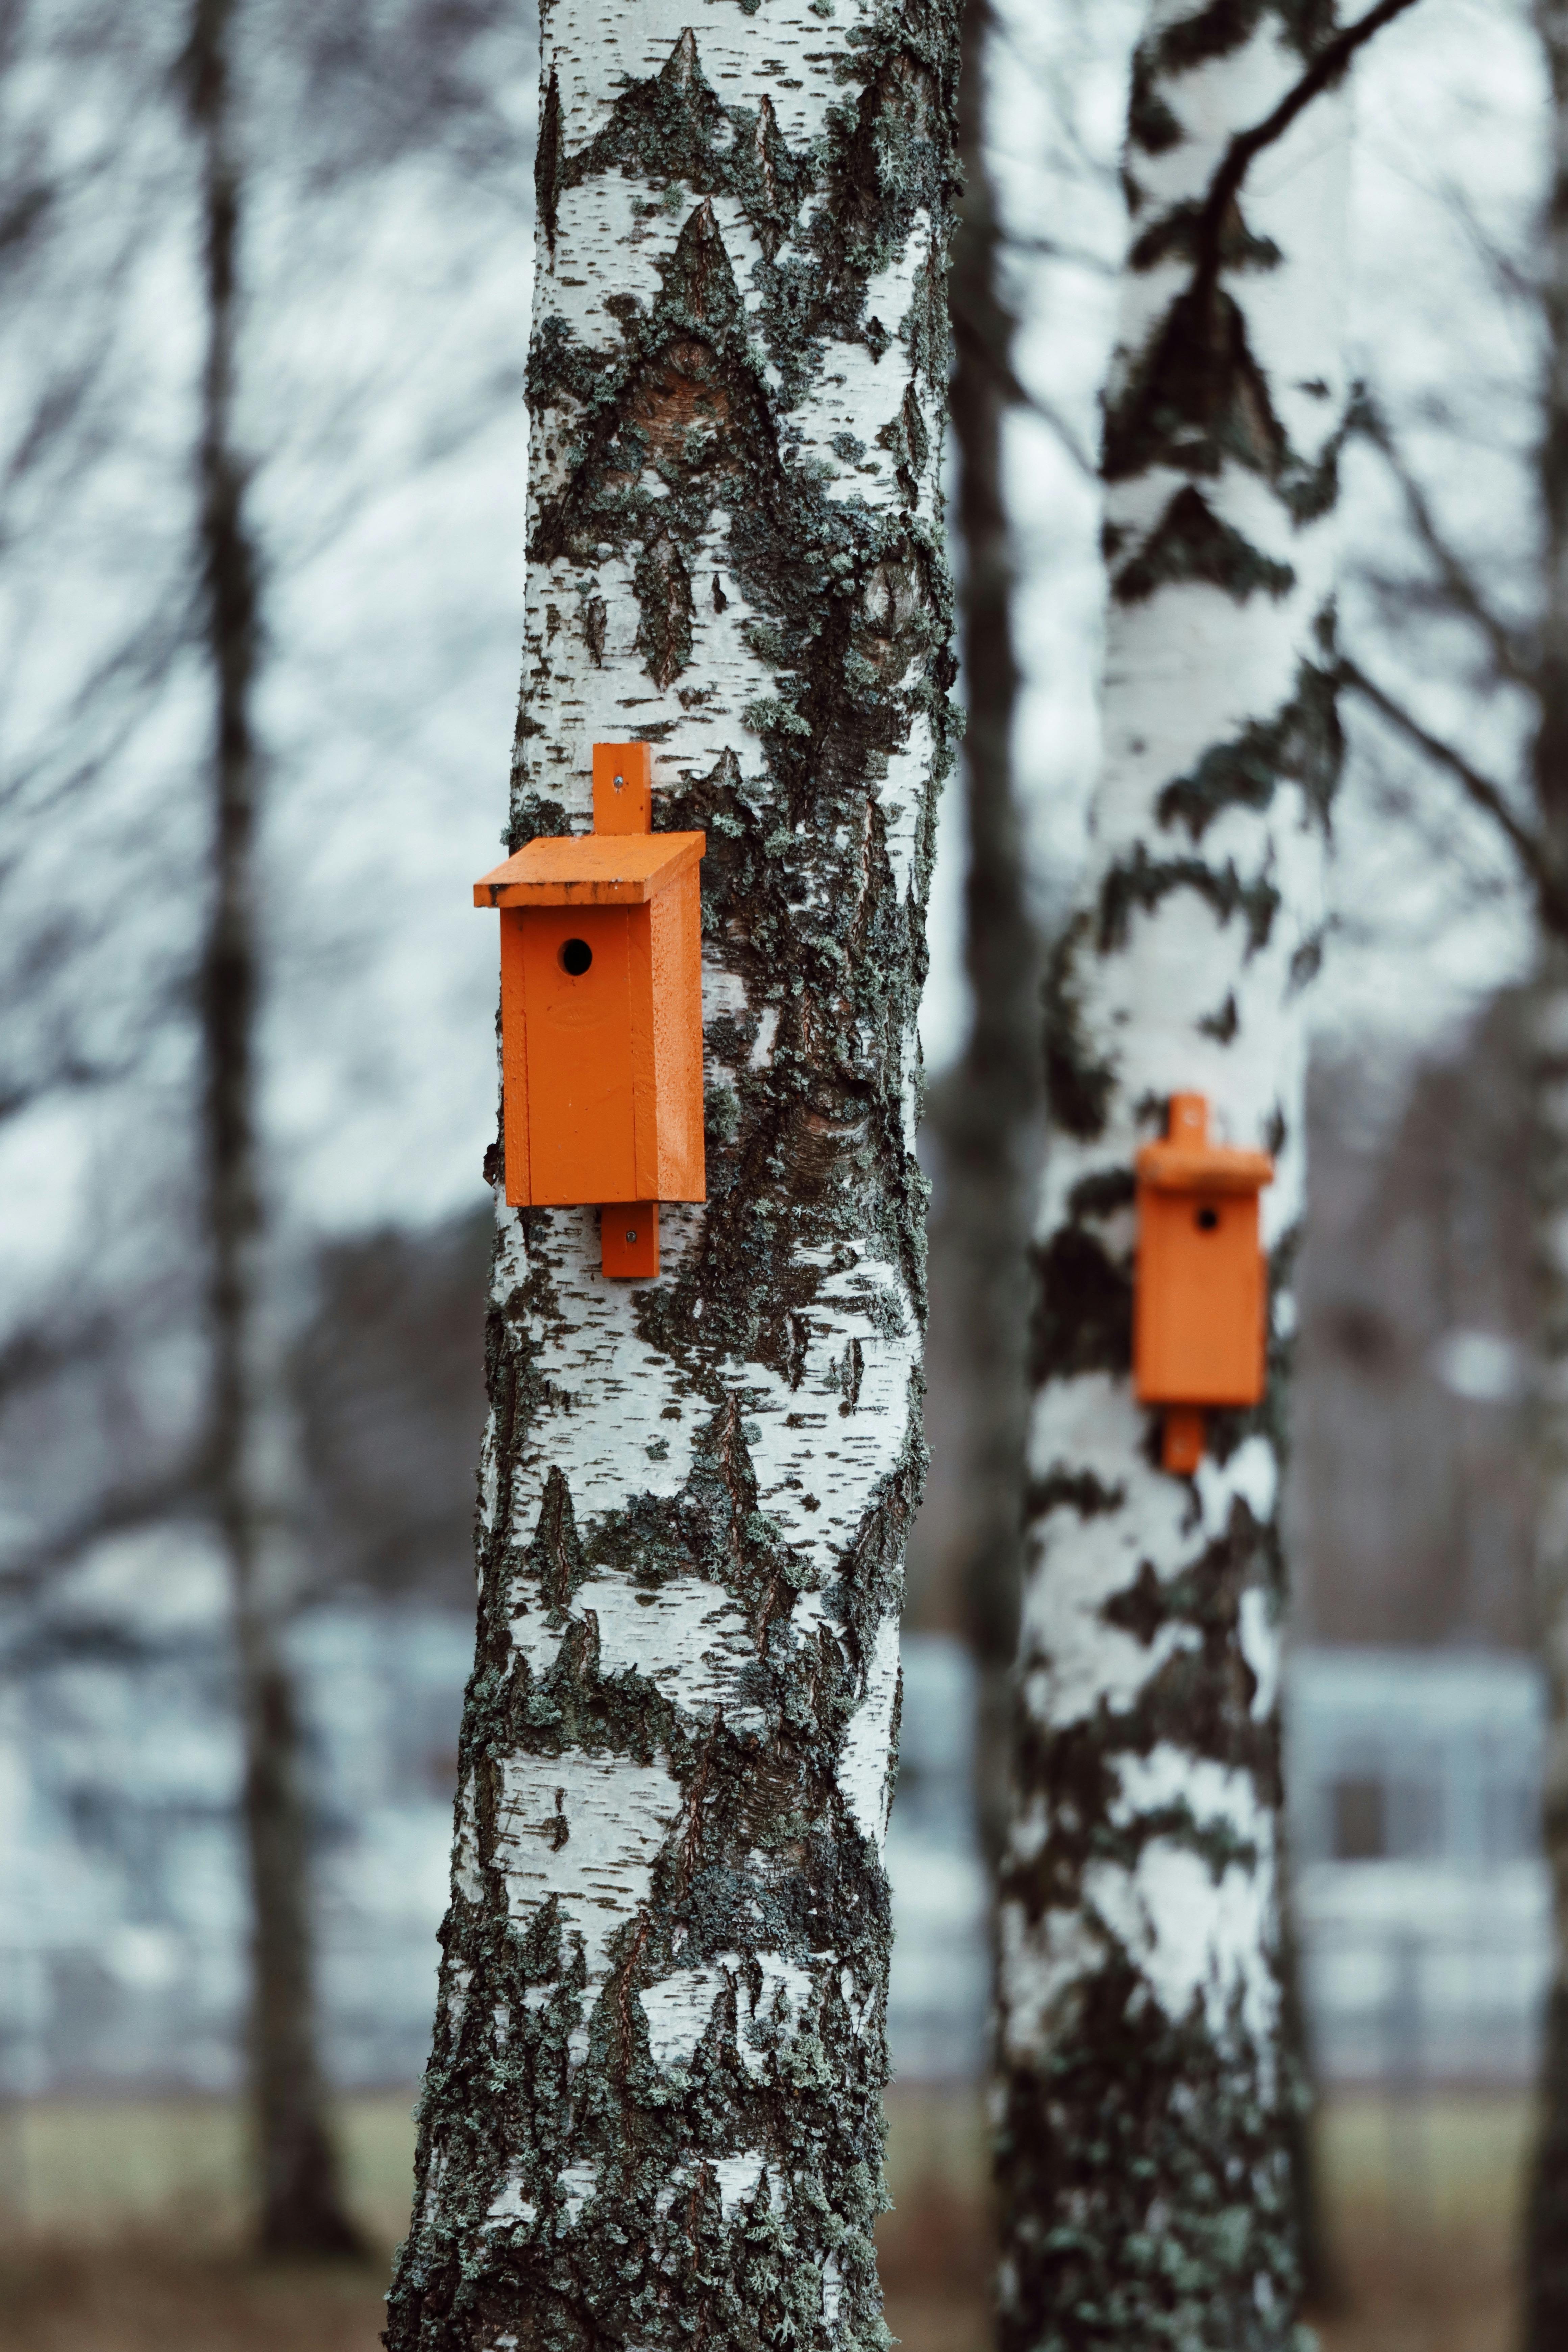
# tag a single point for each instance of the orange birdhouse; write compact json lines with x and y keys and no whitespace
{"x":601,"y":1009}
{"x":1198,"y":1334}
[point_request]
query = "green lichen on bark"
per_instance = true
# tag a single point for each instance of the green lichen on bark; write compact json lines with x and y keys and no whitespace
{"x":574,"y":2187}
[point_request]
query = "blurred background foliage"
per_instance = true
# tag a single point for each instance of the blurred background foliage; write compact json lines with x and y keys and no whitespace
{"x":385,"y":151}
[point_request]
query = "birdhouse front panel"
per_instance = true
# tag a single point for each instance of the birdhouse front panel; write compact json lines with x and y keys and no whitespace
{"x":1200,"y":1298}
{"x":567,"y":999}
{"x":1199,"y":1323}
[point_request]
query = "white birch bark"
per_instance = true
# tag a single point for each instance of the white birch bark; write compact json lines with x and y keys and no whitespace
{"x":1143,"y":2101}
{"x":652,"y":2112}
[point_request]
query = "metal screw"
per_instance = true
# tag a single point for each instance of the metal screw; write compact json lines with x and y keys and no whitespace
{"x":631,"y":1233}
{"x":620,"y":781}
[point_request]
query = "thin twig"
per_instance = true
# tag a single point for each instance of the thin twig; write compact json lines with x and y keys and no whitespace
{"x":1325,"y":68}
{"x":1509,"y":650}
{"x":1478,"y":790}
{"x":969,"y":331}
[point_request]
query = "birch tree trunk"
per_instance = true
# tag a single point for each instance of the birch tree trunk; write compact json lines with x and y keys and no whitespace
{"x":253,"y":1459}
{"x":652,"y":2112}
{"x":1143,"y":2149}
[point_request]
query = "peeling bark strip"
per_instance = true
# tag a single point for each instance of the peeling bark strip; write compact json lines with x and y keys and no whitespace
{"x":1142,"y":2148}
{"x":652,"y":2114}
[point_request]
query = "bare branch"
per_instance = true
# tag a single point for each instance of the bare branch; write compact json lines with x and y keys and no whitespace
{"x":1048,"y":414}
{"x":1511,"y":651}
{"x":1478,"y":790}
{"x":975,"y":331}
{"x":1226,"y":186}
{"x":1514,"y":276}
{"x":137,"y":1504}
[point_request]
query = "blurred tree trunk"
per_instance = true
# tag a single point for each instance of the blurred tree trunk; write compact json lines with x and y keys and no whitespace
{"x":1323,"y":2280}
{"x":1144,"y":2143}
{"x":986,"y":1112}
{"x":1546,"y":2216}
{"x":1546,"y":2233}
{"x":1537,"y":836}
{"x":652,"y":2112}
{"x":253,"y":1462}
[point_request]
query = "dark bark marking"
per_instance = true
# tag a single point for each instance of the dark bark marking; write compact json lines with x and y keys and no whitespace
{"x":1079,"y":1086}
{"x":596,"y":620}
{"x":1175,"y":236}
{"x":555,"y":1556}
{"x":1191,"y":543}
{"x":1306,"y":962}
{"x":673,"y":128}
{"x":1062,"y":1489}
{"x":1141,"y":882}
{"x":1083,"y":1310}
{"x":1101,"y":1193}
{"x":662,"y":585}
{"x":548,"y":180}
{"x":1222,"y":1026}
{"x":1194,"y":397}
{"x":1303,"y":743}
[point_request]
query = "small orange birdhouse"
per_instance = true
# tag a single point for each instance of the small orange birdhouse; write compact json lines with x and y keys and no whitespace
{"x":1198,"y":1336}
{"x":600,"y":998}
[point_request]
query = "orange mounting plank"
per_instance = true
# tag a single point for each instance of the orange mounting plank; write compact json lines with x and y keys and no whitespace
{"x":1181,"y":1440}
{"x":629,"y":1240}
{"x":1200,"y":1300}
{"x":623,"y":788}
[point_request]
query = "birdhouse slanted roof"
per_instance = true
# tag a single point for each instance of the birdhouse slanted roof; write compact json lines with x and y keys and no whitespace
{"x":590,"y":869}
{"x":1211,"y":1168}
{"x":1186,"y":1161}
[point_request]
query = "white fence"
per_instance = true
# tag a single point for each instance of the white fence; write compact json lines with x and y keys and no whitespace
{"x":1421,"y":1900}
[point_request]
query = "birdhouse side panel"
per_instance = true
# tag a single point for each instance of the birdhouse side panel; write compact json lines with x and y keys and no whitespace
{"x":1198,"y":1336}
{"x":577,"y":1018}
{"x":676,"y":938}
{"x":514,"y":1061}
{"x":643,"y":1063}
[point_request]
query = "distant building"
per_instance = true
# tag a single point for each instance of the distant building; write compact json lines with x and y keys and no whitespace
{"x":1423,"y":1903}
